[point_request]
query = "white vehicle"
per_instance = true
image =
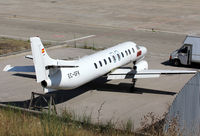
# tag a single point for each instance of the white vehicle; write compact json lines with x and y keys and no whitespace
{"x":62,"y":74}
{"x":188,"y":53}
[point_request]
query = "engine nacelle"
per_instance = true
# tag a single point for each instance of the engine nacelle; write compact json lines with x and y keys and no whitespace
{"x":46,"y":83}
{"x":58,"y":80}
{"x":142,"y":65}
{"x":54,"y":80}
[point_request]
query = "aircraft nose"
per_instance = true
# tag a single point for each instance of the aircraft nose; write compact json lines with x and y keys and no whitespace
{"x":144,"y":50}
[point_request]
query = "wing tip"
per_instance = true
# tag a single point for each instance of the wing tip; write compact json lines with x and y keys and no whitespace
{"x":7,"y":68}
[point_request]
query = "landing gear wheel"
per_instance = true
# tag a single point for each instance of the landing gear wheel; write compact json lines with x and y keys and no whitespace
{"x":176,"y":62}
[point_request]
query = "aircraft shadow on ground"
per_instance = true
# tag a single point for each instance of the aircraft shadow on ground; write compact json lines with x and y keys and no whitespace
{"x":126,"y":88}
{"x":33,"y":76}
{"x":99,"y":84}
{"x":59,"y":96}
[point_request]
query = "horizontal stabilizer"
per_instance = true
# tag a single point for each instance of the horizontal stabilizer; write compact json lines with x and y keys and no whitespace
{"x":29,"y":57}
{"x":9,"y":68}
{"x":60,"y":66}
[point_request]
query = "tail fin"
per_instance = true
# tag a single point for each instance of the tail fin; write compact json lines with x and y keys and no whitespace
{"x":40,"y":58}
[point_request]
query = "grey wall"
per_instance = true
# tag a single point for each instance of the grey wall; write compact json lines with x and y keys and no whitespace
{"x":185,"y":109}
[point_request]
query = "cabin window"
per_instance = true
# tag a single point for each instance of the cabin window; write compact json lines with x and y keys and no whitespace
{"x":126,"y":53}
{"x":100,"y":63}
{"x":122,"y":54}
{"x":129,"y":51}
{"x":118,"y":57}
{"x":109,"y":59}
{"x":105,"y":61}
{"x":114,"y":59}
{"x":95,"y":65}
{"x":133,"y":50}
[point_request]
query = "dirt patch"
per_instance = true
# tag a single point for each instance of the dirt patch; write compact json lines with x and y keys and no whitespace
{"x":8,"y":45}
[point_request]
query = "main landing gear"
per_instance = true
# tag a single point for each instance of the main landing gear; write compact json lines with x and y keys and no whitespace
{"x":132,"y":89}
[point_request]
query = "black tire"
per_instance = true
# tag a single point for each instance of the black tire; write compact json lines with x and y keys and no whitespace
{"x":176,"y":62}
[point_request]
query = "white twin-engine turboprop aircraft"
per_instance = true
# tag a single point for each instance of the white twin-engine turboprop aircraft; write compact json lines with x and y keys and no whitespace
{"x":62,"y":74}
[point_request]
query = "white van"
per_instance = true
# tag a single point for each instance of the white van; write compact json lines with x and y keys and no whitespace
{"x":188,"y":53}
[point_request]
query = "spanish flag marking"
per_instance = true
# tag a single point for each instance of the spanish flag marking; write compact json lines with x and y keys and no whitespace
{"x":43,"y":50}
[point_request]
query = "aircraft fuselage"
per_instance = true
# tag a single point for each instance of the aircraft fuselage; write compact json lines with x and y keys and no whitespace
{"x":93,"y":66}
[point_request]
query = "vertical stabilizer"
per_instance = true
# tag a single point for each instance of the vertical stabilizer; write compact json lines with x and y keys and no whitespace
{"x":40,"y":58}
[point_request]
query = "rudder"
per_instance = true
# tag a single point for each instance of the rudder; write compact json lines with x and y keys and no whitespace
{"x":40,"y":58}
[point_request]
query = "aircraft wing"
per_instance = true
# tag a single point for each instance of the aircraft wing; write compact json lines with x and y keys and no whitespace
{"x":9,"y":68}
{"x":130,"y":73}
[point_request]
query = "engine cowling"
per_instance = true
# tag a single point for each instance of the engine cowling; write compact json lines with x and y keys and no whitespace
{"x":142,"y":65}
{"x":54,"y":81}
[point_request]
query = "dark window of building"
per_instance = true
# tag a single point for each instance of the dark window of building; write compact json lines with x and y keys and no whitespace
{"x":95,"y":65}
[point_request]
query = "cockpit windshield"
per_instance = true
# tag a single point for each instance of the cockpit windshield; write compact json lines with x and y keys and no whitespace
{"x":137,"y":47}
